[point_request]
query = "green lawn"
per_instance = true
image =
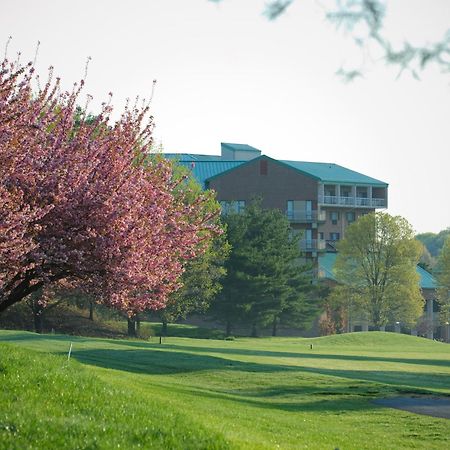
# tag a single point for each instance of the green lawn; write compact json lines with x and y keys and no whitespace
{"x":192,"y":393}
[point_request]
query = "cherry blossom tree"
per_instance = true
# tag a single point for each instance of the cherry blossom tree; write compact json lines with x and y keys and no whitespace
{"x":84,"y":202}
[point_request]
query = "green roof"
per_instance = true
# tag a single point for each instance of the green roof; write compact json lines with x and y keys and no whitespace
{"x":183,"y":157}
{"x":333,"y":173}
{"x":202,"y":170}
{"x":326,"y":264}
{"x":239,"y":147}
{"x":324,"y":172}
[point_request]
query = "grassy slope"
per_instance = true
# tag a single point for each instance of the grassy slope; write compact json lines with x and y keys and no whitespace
{"x":268,"y":392}
{"x":46,"y":403}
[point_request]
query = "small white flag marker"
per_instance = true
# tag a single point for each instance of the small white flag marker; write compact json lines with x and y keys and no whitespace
{"x":70,"y":352}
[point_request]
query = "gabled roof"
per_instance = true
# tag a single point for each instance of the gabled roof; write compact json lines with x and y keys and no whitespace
{"x":203,"y":170}
{"x":324,"y":172}
{"x":326,"y":264}
{"x":239,"y":147}
{"x":333,"y":173}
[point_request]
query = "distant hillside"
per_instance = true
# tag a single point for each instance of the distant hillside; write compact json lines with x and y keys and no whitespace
{"x":434,"y":242}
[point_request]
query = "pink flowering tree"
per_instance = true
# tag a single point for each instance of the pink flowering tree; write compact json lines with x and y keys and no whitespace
{"x":82,"y":202}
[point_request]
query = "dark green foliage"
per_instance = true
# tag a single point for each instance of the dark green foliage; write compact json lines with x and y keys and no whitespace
{"x":203,"y":274}
{"x":200,"y":283}
{"x":265,"y":283}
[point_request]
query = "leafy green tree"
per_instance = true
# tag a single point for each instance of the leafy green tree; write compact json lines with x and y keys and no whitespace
{"x":265,"y":278}
{"x":376,"y":268}
{"x":426,"y":261}
{"x":201,"y":279}
{"x":201,"y":282}
{"x":434,"y":241}
{"x":443,"y":278}
{"x":341,"y":306}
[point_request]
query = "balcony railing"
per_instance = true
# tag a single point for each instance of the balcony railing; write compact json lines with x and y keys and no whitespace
{"x":312,"y":245}
{"x":306,"y":216}
{"x":362,"y":202}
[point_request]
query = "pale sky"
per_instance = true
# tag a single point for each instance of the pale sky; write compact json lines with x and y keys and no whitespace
{"x":227,"y":74}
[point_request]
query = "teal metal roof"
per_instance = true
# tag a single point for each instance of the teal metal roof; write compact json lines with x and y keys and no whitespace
{"x":240,"y":147}
{"x":192,"y":157}
{"x":333,"y":173}
{"x":326,"y":264}
{"x":325,"y":172}
{"x":202,"y":170}
{"x":427,"y":281}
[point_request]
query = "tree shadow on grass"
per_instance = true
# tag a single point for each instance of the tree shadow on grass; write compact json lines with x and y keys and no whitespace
{"x":304,"y":355}
{"x":287,"y":399}
{"x":226,"y":351}
{"x":173,"y":362}
{"x":311,"y":403}
{"x":164,"y":362}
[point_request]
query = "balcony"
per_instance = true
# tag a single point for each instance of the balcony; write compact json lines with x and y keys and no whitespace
{"x":306,"y":216}
{"x":312,"y":245}
{"x":356,"y":202}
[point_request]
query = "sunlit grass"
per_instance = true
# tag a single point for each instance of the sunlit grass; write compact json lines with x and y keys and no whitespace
{"x":264,"y":393}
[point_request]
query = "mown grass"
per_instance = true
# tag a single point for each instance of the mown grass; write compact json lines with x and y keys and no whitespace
{"x":256,"y":393}
{"x":47,"y":403}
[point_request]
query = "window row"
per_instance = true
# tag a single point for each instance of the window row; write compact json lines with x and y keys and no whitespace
{"x":334,"y":216}
{"x":331,"y":236}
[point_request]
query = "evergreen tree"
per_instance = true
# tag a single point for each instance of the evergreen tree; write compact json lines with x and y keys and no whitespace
{"x":265,"y":276}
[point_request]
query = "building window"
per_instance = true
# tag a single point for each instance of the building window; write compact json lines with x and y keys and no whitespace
{"x":329,"y":190}
{"x":334,"y":217}
{"x":361,"y":193}
{"x":229,"y":207}
{"x":346,"y":191}
{"x":334,"y":236}
{"x":263,"y":167}
{"x":351,"y":217}
{"x":321,"y":235}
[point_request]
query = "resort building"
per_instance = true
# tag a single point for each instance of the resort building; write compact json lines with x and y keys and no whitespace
{"x":319,"y":199}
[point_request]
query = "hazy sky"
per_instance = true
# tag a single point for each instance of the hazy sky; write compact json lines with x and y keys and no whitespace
{"x":226,"y":73}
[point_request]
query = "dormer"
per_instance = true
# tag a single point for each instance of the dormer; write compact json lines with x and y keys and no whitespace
{"x":238,"y":152}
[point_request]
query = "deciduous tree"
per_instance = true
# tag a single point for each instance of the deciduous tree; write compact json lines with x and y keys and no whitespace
{"x":443,"y":278}
{"x":376,"y":267}
{"x":78,"y":203}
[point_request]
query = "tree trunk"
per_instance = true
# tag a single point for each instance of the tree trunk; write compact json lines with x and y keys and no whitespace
{"x":24,"y":288}
{"x":274,"y":325}
{"x":164,"y":328}
{"x":91,"y":311}
{"x":131,"y":327}
{"x":138,"y":325}
{"x":18,"y":293}
{"x":38,"y":322}
{"x":228,"y":328}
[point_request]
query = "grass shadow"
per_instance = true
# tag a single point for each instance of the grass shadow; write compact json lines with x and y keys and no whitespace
{"x":304,"y":355}
{"x":164,"y":362}
{"x":173,"y":362}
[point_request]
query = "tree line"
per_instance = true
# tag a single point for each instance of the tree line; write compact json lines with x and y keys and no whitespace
{"x":85,"y":206}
